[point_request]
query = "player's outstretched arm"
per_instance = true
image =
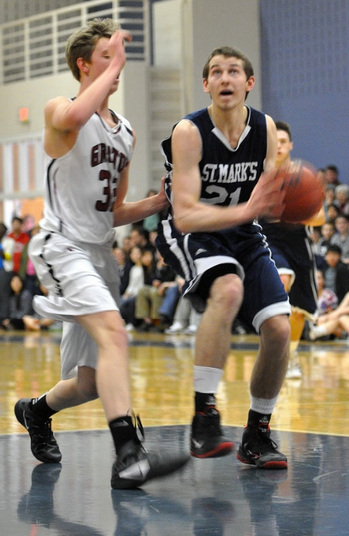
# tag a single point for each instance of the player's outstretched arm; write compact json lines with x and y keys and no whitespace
{"x":65,"y":115}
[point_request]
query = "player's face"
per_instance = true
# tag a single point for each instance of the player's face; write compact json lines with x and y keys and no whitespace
{"x":285,"y":146}
{"x":100,"y":60}
{"x":227,"y":82}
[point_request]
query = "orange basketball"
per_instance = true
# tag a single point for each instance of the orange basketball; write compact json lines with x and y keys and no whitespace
{"x":305,"y":192}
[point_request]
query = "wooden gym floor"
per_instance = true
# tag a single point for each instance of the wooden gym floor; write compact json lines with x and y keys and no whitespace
{"x":208,"y":497}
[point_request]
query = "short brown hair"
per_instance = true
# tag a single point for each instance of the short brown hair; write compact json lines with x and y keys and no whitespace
{"x":229,"y":52}
{"x":82,"y":43}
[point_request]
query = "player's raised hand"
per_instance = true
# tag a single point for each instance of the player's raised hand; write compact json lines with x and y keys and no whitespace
{"x":116,"y":45}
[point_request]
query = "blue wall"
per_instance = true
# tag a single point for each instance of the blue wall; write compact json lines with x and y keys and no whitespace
{"x":305,"y":76}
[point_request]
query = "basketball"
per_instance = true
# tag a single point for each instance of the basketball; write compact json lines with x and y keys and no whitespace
{"x":305,"y":192}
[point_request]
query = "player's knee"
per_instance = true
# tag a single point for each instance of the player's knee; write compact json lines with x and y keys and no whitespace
{"x":227,"y":292}
{"x":277,"y":330}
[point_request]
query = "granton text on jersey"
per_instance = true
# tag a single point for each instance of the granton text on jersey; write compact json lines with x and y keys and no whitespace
{"x":102,"y":153}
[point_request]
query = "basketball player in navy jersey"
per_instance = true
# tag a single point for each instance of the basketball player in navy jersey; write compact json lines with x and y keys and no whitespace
{"x":221,"y":179}
{"x":88,"y":151}
{"x":292,"y":252}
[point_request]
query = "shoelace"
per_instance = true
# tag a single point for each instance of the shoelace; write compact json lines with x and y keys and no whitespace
{"x":262,"y":441}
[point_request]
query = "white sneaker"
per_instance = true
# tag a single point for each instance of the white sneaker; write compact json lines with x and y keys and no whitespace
{"x":176,"y":327}
{"x":129,"y":327}
{"x":190,"y":330}
{"x":294,"y":372}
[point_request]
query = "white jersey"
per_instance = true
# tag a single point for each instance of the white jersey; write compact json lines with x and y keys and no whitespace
{"x":81,"y":186}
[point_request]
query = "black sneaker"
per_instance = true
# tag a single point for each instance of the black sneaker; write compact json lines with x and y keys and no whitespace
{"x":134,"y":466}
{"x":207,"y":439}
{"x":43,"y":444}
{"x":257,"y":448}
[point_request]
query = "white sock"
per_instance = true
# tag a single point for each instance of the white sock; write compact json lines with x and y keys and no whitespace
{"x":263,"y":405}
{"x":206,"y":379}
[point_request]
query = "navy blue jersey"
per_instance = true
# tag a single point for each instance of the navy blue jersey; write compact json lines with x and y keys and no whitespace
{"x":228,"y":175}
{"x":292,"y":252}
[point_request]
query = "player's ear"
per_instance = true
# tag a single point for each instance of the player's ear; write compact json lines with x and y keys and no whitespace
{"x":205,"y":85}
{"x":250,"y":83}
{"x":83,"y":65}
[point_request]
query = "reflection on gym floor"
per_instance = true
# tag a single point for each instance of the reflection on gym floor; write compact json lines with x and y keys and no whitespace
{"x":208,"y":497}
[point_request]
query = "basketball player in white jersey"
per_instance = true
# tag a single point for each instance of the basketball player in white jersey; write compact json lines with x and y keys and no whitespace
{"x":88,"y":151}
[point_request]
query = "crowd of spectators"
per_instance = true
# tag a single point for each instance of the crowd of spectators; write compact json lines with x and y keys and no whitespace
{"x":150,"y":292}
{"x":331,"y":247}
{"x":18,"y":281}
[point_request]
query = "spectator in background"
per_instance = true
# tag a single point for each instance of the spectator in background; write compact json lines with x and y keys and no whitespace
{"x":336,"y":273}
{"x":320,"y":246}
{"x":335,"y":322}
{"x":149,"y":297}
{"x":139,"y":237}
{"x":341,"y":236}
{"x":342,"y":198}
{"x":124,"y":271}
{"x":151,"y":222}
{"x":21,"y":239}
{"x":7,"y":246}
{"x":20,"y":311}
{"x":332,"y":213}
{"x":142,"y":273}
{"x":28,"y":224}
{"x":26,"y":268}
{"x":186,"y":319}
{"x":327,"y":300}
{"x":330,"y":197}
{"x":327,"y":231}
{"x":331,"y":175}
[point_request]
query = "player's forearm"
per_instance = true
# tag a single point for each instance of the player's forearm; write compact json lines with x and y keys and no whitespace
{"x":208,"y":218}
{"x":131,"y":212}
{"x":88,"y":102}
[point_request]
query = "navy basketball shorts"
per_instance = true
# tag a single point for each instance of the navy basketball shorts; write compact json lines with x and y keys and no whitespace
{"x":202,"y":257}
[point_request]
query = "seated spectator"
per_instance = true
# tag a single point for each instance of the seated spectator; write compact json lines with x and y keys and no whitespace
{"x":169,"y":303}
{"x":136,"y":281}
{"x":327,"y":231}
{"x":20,"y":311}
{"x":341,"y":236}
{"x":333,"y":323}
{"x":21,"y":239}
{"x":124,"y":271}
{"x":331,"y":175}
{"x":332,"y":213}
{"x":149,"y":298}
{"x":336,"y":273}
{"x":186,"y":319}
{"x":151,"y":222}
{"x":139,"y":237}
{"x":142,"y":273}
{"x":7,"y":246}
{"x":330,"y":197}
{"x":327,"y":300}
{"x":342,"y":198}
{"x":26,"y":268}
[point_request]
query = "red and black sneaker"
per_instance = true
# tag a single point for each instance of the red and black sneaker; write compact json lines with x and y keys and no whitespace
{"x":207,"y":439}
{"x":257,"y":448}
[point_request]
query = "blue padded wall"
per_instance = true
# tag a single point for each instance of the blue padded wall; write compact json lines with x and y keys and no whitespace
{"x":305,"y":75}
